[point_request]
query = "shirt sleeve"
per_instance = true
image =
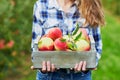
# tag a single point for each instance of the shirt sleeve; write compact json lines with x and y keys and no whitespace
{"x":98,"y":42}
{"x":37,"y":30}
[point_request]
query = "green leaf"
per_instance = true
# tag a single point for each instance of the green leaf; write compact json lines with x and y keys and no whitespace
{"x":74,"y":46}
{"x":70,"y":46}
{"x":78,"y":36}
{"x":63,"y":40}
{"x":76,"y":29}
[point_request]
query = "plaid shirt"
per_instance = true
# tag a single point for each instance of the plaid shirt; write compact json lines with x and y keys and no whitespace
{"x":48,"y":14}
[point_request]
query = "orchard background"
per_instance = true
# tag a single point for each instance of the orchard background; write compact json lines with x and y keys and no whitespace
{"x":15,"y":41}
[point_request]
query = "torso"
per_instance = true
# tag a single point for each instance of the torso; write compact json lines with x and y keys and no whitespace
{"x":56,"y":17}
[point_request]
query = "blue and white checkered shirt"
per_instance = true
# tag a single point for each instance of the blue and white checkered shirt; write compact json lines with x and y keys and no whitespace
{"x":48,"y":14}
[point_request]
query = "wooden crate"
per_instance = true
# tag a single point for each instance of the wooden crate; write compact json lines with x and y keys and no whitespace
{"x":65,"y":59}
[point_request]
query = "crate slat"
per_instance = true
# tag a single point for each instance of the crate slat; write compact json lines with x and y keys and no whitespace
{"x":64,"y":59}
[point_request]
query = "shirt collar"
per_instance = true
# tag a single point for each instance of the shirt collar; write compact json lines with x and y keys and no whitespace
{"x":54,"y":4}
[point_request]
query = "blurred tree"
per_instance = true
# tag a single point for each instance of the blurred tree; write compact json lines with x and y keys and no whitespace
{"x":15,"y":34}
{"x":113,"y":6}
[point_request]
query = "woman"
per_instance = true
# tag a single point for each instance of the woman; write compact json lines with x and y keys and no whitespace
{"x":65,"y":14}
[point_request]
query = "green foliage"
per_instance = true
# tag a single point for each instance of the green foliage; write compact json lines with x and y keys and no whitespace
{"x":15,"y":26}
{"x":108,"y":68}
{"x":76,"y":29}
{"x":78,"y":36}
{"x":113,"y":6}
{"x":63,"y":40}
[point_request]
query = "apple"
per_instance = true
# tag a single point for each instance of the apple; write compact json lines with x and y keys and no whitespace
{"x":82,"y":45}
{"x":68,"y":50}
{"x":55,"y":33}
{"x":45,"y":44}
{"x":10,"y":44}
{"x":84,"y":34}
{"x":46,"y":35}
{"x":60,"y":44}
{"x":2,"y":43}
{"x":68,"y":38}
{"x":69,"y":41}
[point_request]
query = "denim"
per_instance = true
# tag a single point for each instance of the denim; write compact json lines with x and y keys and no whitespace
{"x":59,"y":75}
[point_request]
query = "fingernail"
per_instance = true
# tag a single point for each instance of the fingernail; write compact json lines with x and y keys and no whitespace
{"x":32,"y":67}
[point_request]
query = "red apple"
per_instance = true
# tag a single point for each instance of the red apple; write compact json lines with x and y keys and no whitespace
{"x":82,"y":45}
{"x":55,"y":33}
{"x":46,"y":44}
{"x":2,"y":43}
{"x":10,"y":44}
{"x":60,"y":44}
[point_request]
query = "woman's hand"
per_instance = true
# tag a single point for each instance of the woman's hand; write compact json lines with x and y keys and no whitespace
{"x":81,"y":66}
{"x":46,"y":67}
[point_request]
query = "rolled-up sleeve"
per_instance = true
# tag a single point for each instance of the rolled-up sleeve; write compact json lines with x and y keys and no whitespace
{"x":37,"y":30}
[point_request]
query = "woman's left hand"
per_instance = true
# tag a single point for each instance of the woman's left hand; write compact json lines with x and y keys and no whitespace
{"x":81,"y":66}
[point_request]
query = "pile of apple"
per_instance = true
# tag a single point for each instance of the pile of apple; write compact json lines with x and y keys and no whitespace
{"x":55,"y":40}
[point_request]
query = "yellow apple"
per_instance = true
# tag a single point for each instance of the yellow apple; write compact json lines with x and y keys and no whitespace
{"x":82,"y":45}
{"x":46,"y":44}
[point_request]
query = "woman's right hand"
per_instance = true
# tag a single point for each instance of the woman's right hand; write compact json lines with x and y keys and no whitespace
{"x":46,"y":67}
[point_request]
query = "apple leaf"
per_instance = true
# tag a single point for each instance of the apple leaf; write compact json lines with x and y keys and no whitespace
{"x":63,"y":40}
{"x":78,"y":36}
{"x":76,"y":29}
{"x":70,"y":36}
{"x":70,"y":46}
{"x":74,"y":46}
